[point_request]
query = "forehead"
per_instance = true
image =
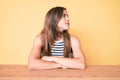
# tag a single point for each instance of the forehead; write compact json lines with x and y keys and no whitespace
{"x":65,"y":12}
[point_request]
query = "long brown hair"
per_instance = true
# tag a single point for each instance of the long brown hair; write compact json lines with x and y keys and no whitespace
{"x":50,"y":32}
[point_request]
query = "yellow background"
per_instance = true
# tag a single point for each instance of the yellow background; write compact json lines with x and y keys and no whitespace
{"x":95,"y":22}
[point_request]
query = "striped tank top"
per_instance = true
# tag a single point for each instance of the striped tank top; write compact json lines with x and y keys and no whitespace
{"x":57,"y":49}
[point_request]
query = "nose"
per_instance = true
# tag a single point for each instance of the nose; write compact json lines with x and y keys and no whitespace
{"x":67,"y":18}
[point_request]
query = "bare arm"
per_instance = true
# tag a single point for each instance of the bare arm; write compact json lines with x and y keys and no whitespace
{"x":78,"y":62}
{"x":34,"y":59}
{"x":75,"y":63}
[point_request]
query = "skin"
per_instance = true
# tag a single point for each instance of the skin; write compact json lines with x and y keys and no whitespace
{"x":64,"y":22}
{"x":52,"y":62}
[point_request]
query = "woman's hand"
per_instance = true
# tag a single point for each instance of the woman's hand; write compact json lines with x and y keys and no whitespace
{"x":51,"y":58}
{"x":48,"y":58}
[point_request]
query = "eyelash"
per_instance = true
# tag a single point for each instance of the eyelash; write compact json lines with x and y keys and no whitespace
{"x":65,"y":15}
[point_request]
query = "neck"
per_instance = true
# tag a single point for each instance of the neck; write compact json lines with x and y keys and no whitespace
{"x":60,"y":37}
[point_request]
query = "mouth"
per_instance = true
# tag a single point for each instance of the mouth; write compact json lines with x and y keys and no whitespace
{"x":67,"y":24}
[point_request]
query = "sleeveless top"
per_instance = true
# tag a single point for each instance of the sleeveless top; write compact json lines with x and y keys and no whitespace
{"x":57,"y":49}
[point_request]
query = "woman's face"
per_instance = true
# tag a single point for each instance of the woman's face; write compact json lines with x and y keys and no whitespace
{"x":63,"y":24}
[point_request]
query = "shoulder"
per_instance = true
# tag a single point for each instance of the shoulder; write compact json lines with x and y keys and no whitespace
{"x":74,"y":38}
{"x":75,"y":41}
{"x":38,"y":40}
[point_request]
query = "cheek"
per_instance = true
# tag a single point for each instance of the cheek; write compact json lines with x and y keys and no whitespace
{"x":59,"y":24}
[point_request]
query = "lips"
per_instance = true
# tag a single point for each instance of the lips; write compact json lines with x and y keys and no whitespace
{"x":67,"y":24}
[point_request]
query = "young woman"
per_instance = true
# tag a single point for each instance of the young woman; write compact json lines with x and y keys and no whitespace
{"x":54,"y":47}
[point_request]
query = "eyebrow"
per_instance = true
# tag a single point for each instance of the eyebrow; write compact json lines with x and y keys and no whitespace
{"x":64,"y":14}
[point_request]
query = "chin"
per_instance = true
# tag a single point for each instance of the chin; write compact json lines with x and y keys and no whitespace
{"x":66,"y":29}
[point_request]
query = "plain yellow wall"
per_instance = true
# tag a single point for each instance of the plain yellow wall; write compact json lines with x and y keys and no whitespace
{"x":95,"y":22}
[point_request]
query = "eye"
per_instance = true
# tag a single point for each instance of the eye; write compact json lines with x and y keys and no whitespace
{"x":64,"y":15}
